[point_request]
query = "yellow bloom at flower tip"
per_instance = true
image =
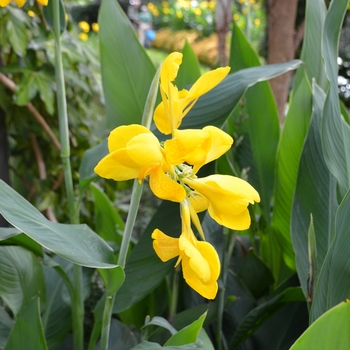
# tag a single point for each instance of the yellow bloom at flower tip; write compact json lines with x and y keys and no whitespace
{"x":176,"y":104}
{"x":135,"y":153}
{"x":31,"y":13}
{"x":20,"y":3}
{"x":83,"y":36}
{"x":200,"y":261}
{"x":95,"y":27}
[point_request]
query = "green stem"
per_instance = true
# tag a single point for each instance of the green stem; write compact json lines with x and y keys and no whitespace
{"x":77,"y":301}
{"x":130,"y":221}
{"x":175,"y":294}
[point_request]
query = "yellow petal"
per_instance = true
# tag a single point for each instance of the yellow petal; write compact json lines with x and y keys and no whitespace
{"x":200,"y":266}
{"x":145,"y":150}
{"x":20,"y":3}
{"x":169,"y":69}
{"x":207,"y":81}
{"x":161,"y":119}
{"x":111,"y":167}
{"x":227,"y":196}
{"x":43,"y":2}
{"x":121,"y":135}
{"x":220,"y":143}
{"x":4,"y":3}
{"x":199,"y":202}
{"x":165,"y":188}
{"x":166,"y":247}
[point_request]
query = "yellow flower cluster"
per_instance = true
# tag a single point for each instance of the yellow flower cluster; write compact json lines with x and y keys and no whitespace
{"x":20,"y":3}
{"x":172,"y":167}
{"x":85,"y":27}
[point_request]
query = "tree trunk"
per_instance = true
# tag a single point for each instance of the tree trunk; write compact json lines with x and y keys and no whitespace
{"x":223,"y":20}
{"x":281,"y":45}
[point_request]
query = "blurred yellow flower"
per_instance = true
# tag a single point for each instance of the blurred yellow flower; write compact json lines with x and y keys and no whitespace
{"x":197,"y":11}
{"x":212,"y":5}
{"x":95,"y":27}
{"x":84,"y":26}
{"x":83,"y":36}
{"x":155,"y":12}
{"x":204,"y":5}
{"x":150,"y":6}
{"x":257,"y":22}
{"x":31,"y":13}
{"x":166,"y":10}
{"x":20,"y":3}
{"x":235,"y":17}
{"x":241,"y":1}
{"x":179,"y":14}
{"x":165,"y":4}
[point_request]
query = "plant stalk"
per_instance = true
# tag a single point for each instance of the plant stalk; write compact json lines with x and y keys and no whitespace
{"x":77,"y":301}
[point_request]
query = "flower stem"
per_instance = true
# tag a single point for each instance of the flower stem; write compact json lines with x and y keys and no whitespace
{"x":77,"y":302}
{"x":130,"y":221}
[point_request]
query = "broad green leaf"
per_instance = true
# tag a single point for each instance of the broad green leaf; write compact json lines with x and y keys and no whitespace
{"x":262,"y":140}
{"x":216,"y":105}
{"x":189,"y":70}
{"x":333,"y":283}
{"x":144,"y":270}
{"x":27,"y":333}
{"x":8,"y":232}
{"x":121,"y":337}
{"x":315,"y":194}
{"x":16,"y":31}
{"x":161,"y":322}
{"x":288,"y":157}
{"x":48,"y":15}
{"x":77,"y":243}
{"x":126,"y":73}
{"x":188,"y":334}
{"x":335,"y":130}
{"x":256,"y":317}
{"x":255,"y":274}
{"x":90,"y":159}
{"x":21,"y":277}
{"x":113,"y":279}
{"x":109,"y":224}
{"x":330,"y":331}
{"x":56,"y":317}
{"x":24,"y":241}
{"x":311,"y":53}
{"x":6,"y":324}
{"x":26,"y":89}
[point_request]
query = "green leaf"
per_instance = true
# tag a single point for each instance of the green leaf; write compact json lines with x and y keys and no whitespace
{"x":315,"y":194}
{"x":188,"y":334}
{"x":6,"y":324}
{"x":255,"y":274}
{"x":76,"y":243}
{"x":57,"y":317}
{"x":109,"y":224}
{"x":143,"y":261}
{"x":113,"y":279}
{"x":333,"y":283}
{"x":256,"y":317}
{"x":330,"y":331}
{"x":48,"y":15}
{"x":161,"y":322}
{"x":28,"y":333}
{"x":126,"y":74}
{"x":16,"y":31}
{"x":288,"y":157}
{"x":216,"y":105}
{"x":21,"y":277}
{"x":145,"y":345}
{"x":26,"y":242}
{"x":311,"y":53}
{"x":263,"y":141}
{"x":189,"y":70}
{"x":90,"y":159}
{"x":26,"y":89}
{"x":335,"y":130}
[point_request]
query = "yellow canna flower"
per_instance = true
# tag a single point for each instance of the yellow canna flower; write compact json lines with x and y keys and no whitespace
{"x":31,"y":13}
{"x":197,"y":11}
{"x":83,"y":36}
{"x":200,"y":261}
{"x":135,"y":153}
{"x":176,"y":104}
{"x":226,"y":198}
{"x":197,"y":147}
